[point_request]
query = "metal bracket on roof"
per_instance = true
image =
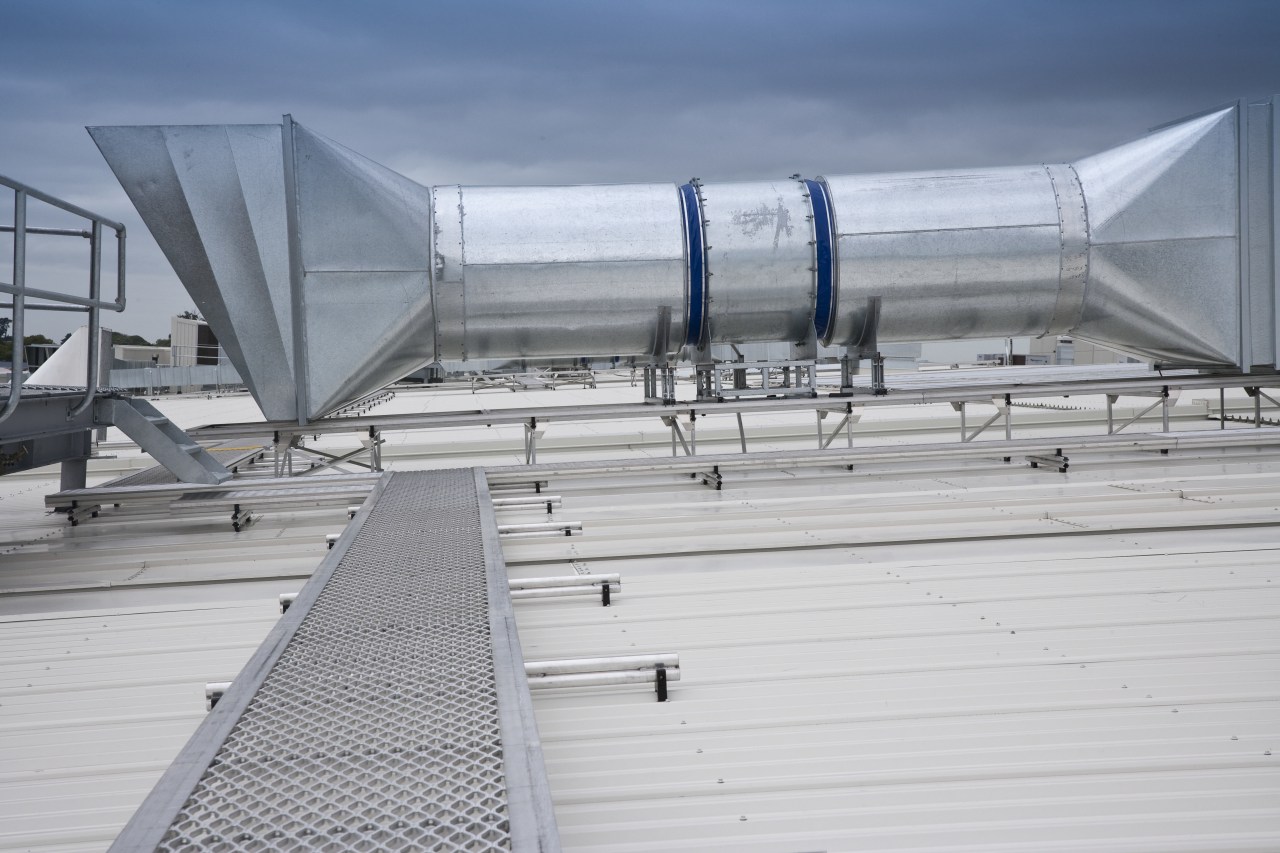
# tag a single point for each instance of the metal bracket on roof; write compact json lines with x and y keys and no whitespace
{"x":603,"y":585}
{"x":78,"y":512}
{"x":852,"y":414}
{"x":712,"y":478}
{"x":542,"y":528}
{"x":213,"y":693}
{"x":1258,"y":396}
{"x":1057,"y":461}
{"x":527,"y":502}
{"x":690,"y":447}
{"x":1164,"y":399}
{"x":658,"y":669}
{"x":506,"y":488}
{"x":241,"y":518}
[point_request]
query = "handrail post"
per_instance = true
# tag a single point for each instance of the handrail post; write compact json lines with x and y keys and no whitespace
{"x":120,"y":235}
{"x":95,"y":323}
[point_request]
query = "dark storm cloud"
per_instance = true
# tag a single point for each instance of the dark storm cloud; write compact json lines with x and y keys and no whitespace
{"x":494,"y":92}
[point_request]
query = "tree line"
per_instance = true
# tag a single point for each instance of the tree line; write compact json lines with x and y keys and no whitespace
{"x":117,"y":338}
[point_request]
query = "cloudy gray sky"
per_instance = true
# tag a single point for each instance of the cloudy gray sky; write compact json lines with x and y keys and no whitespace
{"x":569,"y":91}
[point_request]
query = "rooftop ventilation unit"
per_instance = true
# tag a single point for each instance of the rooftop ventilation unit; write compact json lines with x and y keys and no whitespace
{"x":326,"y":275}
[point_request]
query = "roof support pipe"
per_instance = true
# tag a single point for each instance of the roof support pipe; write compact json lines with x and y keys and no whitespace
{"x":1165,"y":247}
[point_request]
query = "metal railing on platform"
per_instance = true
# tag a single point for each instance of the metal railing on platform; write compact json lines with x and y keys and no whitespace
{"x":53,"y":300}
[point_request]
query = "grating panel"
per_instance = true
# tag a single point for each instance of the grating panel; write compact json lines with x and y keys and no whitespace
{"x":378,"y":726}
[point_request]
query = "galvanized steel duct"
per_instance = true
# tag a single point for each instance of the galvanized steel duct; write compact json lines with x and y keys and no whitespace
{"x":327,"y":276}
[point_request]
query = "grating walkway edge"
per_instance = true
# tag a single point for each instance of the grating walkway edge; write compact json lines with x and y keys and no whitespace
{"x":387,"y":709}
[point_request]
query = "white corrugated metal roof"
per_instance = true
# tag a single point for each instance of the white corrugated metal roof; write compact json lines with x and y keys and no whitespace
{"x":923,"y":655}
{"x":987,"y":657}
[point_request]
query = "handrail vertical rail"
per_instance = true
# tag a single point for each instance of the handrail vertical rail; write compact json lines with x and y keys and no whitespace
{"x":95,"y":324}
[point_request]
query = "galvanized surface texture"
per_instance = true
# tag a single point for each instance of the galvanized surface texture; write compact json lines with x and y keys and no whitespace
{"x":371,"y":718}
{"x":1163,"y":247}
{"x":760,"y":255}
{"x":964,"y":253}
{"x":557,"y":271}
{"x":220,"y":217}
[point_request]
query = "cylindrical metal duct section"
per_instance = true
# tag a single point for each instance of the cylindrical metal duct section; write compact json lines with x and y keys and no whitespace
{"x":961,"y":254}
{"x":759,"y":261}
{"x":541,"y":272}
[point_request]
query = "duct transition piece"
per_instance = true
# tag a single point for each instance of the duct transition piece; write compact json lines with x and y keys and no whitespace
{"x":327,"y":276}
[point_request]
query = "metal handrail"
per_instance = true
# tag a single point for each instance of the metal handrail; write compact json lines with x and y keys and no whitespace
{"x":92,"y":305}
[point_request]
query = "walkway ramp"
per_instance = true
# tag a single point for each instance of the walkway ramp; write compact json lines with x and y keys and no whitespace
{"x":388,"y":710}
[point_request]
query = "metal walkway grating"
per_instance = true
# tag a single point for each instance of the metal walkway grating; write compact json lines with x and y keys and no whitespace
{"x":378,"y":725}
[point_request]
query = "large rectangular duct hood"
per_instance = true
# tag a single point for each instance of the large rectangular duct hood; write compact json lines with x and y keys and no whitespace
{"x":327,"y":276}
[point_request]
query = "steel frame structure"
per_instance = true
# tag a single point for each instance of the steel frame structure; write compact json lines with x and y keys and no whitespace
{"x":681,"y":418}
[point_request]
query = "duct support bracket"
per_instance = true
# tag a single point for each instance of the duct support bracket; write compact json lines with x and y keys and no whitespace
{"x":1164,"y":399}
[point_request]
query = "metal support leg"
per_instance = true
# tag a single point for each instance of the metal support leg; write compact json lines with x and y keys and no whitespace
{"x":1164,"y":409}
{"x":878,"y":386}
{"x":1222,"y":408}
{"x":708,"y":382}
{"x":677,"y":434}
{"x":1002,"y":409}
{"x":742,"y":432}
{"x":531,"y":433}
{"x":1111,"y":400}
{"x":1262,"y":395}
{"x":75,"y":473}
{"x":1008,"y":418}
{"x":1162,"y":400}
